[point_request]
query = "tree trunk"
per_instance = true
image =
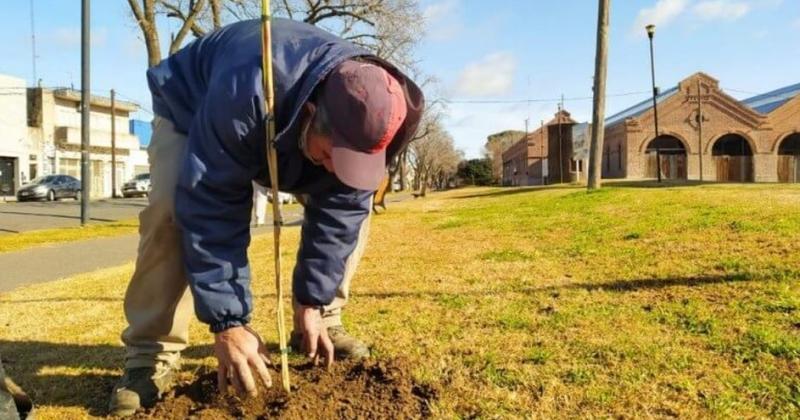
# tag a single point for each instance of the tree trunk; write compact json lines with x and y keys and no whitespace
{"x":145,"y":15}
{"x":424,"y":189}
{"x":403,"y":168}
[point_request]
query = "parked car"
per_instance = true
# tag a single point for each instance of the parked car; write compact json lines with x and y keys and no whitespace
{"x":139,"y":185}
{"x":50,"y":188}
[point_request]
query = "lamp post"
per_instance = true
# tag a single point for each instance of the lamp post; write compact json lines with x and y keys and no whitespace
{"x":651,"y":30}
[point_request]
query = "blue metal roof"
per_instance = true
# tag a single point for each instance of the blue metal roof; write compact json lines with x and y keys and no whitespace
{"x":768,"y":102}
{"x":143,"y":130}
{"x":639,"y":108}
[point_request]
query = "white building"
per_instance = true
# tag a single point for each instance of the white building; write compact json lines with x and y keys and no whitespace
{"x":14,"y":140}
{"x":54,"y":121}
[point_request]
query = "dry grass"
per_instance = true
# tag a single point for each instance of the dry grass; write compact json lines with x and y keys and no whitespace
{"x":632,"y":302}
{"x":19,"y":241}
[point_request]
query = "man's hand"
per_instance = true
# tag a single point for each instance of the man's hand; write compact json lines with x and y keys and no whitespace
{"x":315,"y":335}
{"x":240,"y":351}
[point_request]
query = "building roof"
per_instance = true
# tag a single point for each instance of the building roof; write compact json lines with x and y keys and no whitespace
{"x":640,"y":108}
{"x":770,"y":101}
{"x":75,"y":95}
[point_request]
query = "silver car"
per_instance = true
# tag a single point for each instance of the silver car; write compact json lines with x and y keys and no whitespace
{"x":50,"y":188}
{"x":139,"y":185}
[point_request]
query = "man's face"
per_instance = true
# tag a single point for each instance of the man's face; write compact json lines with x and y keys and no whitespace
{"x":317,"y":145}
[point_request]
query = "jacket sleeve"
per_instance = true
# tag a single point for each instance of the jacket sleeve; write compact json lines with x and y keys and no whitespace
{"x":213,"y":199}
{"x":329,"y":235}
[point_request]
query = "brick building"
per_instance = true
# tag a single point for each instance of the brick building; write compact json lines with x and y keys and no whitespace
{"x":543,"y":156}
{"x":757,"y":139}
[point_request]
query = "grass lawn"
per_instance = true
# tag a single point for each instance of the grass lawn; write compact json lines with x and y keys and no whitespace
{"x":628,"y":302}
{"x":19,"y":241}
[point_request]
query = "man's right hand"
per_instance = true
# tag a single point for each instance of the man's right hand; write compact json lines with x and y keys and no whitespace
{"x":240,"y":351}
{"x":316,"y":342}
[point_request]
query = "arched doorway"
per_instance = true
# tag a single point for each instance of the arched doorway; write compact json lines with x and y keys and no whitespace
{"x":789,"y":159}
{"x":672,"y":154}
{"x":733,"y":159}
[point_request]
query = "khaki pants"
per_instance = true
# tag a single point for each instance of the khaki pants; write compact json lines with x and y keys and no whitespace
{"x":158,"y":304}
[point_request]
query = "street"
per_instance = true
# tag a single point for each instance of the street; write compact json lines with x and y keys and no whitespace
{"x":34,"y":215}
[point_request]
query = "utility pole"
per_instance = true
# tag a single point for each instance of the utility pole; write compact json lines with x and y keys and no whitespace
{"x":33,"y":45}
{"x":700,"y":118}
{"x":599,"y":106}
{"x":86,"y":90}
{"x":541,"y":144}
{"x":113,"y":147}
{"x":560,"y":146}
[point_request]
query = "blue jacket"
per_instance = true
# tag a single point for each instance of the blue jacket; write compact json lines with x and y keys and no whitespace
{"x":211,"y":90}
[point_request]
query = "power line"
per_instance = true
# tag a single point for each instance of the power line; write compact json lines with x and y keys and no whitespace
{"x":532,"y":100}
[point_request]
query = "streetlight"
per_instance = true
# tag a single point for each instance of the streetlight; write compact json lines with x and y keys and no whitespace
{"x":651,"y":30}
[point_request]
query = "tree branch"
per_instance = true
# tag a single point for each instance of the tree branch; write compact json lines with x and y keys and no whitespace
{"x":188,"y":23}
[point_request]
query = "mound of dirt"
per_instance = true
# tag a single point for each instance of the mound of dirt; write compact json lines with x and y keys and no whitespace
{"x":365,"y":389}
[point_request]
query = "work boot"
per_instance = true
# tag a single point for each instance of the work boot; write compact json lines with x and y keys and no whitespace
{"x":345,"y":346}
{"x":140,"y":388}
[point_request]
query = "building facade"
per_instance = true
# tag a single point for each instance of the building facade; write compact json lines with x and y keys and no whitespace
{"x":54,"y":132}
{"x":15,"y":159}
{"x":543,"y":156}
{"x":705,"y":134}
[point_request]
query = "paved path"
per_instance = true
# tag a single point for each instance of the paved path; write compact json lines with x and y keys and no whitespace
{"x":47,"y":263}
{"x":33,"y":215}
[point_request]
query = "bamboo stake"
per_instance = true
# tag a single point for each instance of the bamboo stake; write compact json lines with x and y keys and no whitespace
{"x":272,"y":163}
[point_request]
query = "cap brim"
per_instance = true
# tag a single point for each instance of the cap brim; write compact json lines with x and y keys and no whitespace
{"x":362,"y":171}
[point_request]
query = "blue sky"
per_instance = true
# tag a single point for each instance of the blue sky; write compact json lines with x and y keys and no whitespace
{"x":479,"y":50}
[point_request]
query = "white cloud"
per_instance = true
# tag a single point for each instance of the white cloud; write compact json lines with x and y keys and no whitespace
{"x":796,"y":23}
{"x":721,"y":9}
{"x":442,"y":20}
{"x":662,"y":13}
{"x":491,"y":75}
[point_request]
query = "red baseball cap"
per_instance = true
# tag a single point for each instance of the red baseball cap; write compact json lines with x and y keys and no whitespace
{"x":366,"y":107}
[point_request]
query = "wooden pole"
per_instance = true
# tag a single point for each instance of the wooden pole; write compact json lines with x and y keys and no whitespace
{"x":113,"y":146}
{"x":560,"y":146}
{"x":599,"y":106}
{"x":541,"y":145}
{"x":272,"y":164}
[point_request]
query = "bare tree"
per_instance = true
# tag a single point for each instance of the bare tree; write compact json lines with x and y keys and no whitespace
{"x":145,"y":12}
{"x":432,"y":157}
{"x":388,"y":28}
{"x":498,"y":143}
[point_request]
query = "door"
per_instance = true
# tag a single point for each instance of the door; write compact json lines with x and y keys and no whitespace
{"x":788,"y":168}
{"x":723,"y":174}
{"x":796,"y":161}
{"x":98,"y":186}
{"x":7,"y":176}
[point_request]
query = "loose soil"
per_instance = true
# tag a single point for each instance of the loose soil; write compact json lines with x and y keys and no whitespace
{"x":352,"y":390}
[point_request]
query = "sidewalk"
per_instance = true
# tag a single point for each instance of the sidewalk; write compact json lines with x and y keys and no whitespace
{"x":47,"y":263}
